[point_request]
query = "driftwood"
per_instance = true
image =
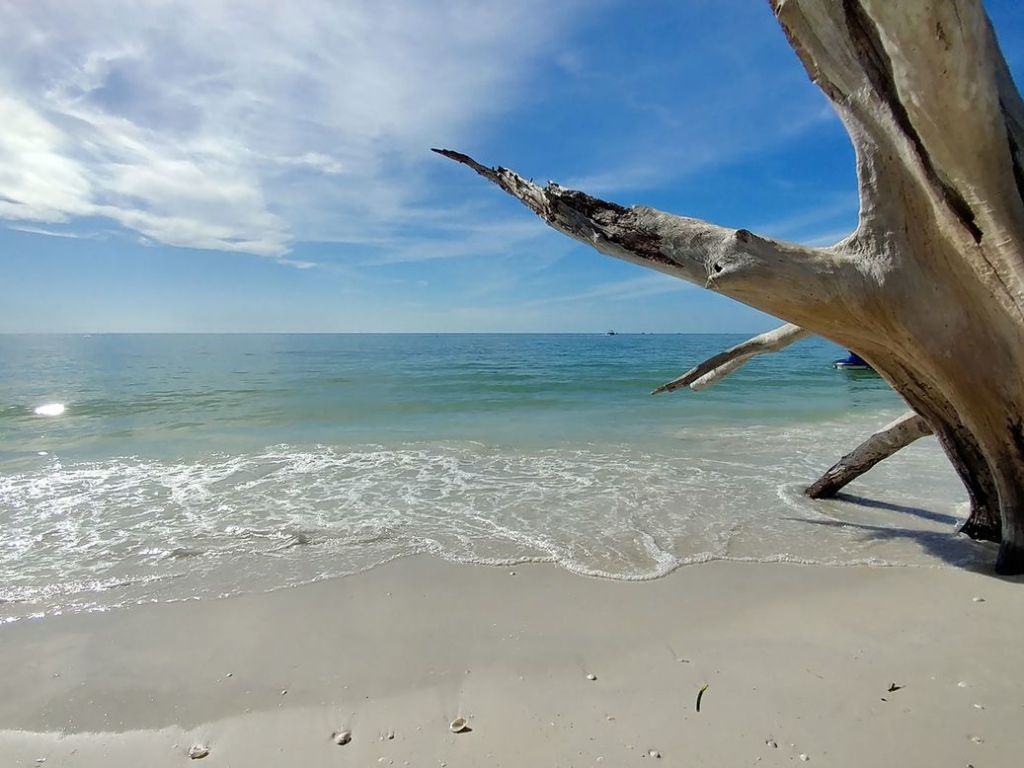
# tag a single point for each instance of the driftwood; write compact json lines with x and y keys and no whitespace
{"x":929,"y":289}
{"x":890,"y":439}
{"x":714,"y":369}
{"x":881,"y":445}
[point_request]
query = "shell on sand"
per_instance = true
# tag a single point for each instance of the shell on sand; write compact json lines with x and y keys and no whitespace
{"x":458,"y":725}
{"x":342,"y":738}
{"x":197,"y":751}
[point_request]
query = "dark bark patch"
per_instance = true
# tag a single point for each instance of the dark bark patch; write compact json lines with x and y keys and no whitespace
{"x":642,"y":242}
{"x":586,"y":204}
{"x":1017,"y":435}
{"x":615,"y":223}
{"x":983,"y":525}
{"x":878,"y":67}
{"x":1010,"y":560}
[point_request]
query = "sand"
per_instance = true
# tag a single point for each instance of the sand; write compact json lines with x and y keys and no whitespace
{"x":798,"y":661}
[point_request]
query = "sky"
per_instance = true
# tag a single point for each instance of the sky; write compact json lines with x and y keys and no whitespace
{"x":257,"y":166}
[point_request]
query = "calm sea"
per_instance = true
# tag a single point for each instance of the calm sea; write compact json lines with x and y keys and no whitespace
{"x":206,"y":465}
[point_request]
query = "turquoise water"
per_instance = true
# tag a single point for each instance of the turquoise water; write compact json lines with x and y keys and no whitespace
{"x":187,"y":466}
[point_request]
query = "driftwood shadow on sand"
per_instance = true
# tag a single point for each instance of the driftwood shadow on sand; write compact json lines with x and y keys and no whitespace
{"x":924,"y":514}
{"x":946,"y":546}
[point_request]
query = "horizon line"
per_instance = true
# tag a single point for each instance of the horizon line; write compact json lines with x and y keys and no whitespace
{"x":378,"y":333}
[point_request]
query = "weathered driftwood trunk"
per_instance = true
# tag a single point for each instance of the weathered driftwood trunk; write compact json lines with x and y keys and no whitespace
{"x":930,"y":287}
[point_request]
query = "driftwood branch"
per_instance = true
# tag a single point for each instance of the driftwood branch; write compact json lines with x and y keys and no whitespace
{"x":881,"y":445}
{"x":982,"y":523}
{"x":714,"y":369}
{"x":734,"y":262}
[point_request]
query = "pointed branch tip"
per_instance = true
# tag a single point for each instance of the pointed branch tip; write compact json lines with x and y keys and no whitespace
{"x":464,"y":159}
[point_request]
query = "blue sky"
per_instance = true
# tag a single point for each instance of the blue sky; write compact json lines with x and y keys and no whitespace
{"x":263,"y":166}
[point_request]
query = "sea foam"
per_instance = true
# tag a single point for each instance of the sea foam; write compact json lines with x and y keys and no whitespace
{"x":96,"y":533}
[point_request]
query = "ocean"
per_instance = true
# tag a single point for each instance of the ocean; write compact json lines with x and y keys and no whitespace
{"x":196,"y":466}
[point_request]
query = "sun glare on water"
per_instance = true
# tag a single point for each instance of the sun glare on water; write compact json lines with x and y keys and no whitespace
{"x":50,"y":409}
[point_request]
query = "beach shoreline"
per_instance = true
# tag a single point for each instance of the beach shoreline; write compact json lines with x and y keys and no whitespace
{"x":799,"y":657}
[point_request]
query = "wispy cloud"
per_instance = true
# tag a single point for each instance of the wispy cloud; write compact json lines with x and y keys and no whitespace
{"x":67,"y":234}
{"x":830,"y":237}
{"x":654,"y":166}
{"x":297,"y":263}
{"x":244,"y":126}
{"x":462,"y":238}
{"x":621,"y":290}
{"x":716,"y":86}
{"x":820,"y":225}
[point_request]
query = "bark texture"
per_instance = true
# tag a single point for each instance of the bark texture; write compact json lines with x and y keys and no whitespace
{"x":929,"y":289}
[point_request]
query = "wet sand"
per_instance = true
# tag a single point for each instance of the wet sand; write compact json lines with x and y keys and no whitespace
{"x":798,"y":661}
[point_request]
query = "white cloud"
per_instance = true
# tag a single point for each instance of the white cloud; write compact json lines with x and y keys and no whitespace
{"x":38,"y":181}
{"x":55,"y":233}
{"x":622,"y":290}
{"x":297,"y":263}
{"x":243,"y":126}
{"x":459,"y":238}
{"x":806,"y":226}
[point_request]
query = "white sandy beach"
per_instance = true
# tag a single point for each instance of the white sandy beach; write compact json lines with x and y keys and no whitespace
{"x":799,"y":661}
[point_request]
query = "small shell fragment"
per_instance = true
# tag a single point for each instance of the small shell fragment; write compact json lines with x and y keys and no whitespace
{"x":804,"y":758}
{"x":459,"y":725}
{"x":591,"y":677}
{"x":341,"y":738}
{"x":978,"y":599}
{"x":198,"y":751}
{"x":653,"y":753}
